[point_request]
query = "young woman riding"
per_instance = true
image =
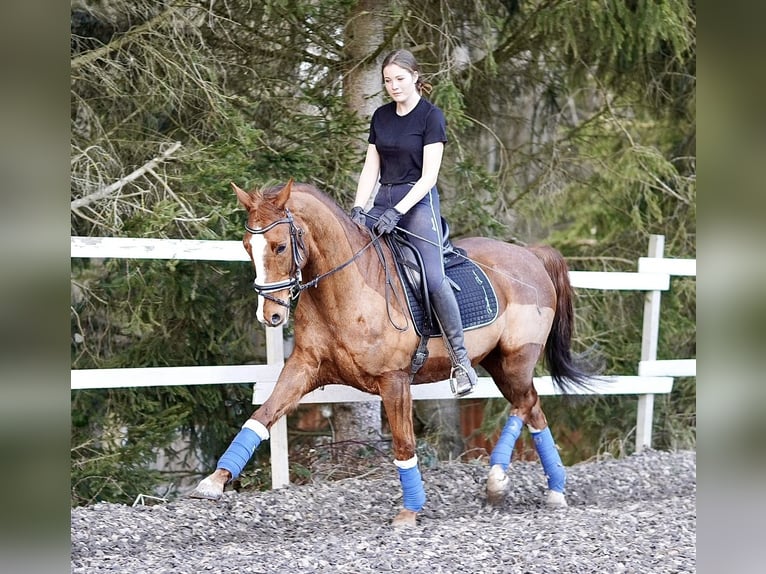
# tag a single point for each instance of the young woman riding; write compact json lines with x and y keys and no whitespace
{"x":404,"y":155}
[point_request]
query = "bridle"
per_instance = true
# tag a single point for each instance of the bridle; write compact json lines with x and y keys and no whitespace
{"x":297,"y":247}
{"x":294,"y":284}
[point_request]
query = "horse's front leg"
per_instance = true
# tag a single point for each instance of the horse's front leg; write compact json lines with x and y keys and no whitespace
{"x":296,"y":379}
{"x":397,"y":400}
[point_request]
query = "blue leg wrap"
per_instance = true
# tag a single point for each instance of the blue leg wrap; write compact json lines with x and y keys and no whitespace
{"x":412,"y":487}
{"x":503,"y":450}
{"x":550,"y":459}
{"x":239,"y":452}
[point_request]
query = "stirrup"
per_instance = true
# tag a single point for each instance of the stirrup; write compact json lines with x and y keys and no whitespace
{"x":460,"y":382}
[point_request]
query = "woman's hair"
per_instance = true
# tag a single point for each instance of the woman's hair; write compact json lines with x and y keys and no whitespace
{"x":405,"y":59}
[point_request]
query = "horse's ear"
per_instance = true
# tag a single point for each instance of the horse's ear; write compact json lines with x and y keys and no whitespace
{"x":284,"y":194}
{"x":244,"y":198}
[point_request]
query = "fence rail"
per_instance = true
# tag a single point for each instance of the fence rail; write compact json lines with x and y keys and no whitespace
{"x":654,"y":376}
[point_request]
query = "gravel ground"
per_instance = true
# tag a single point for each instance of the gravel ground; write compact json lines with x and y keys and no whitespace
{"x":635,"y":514}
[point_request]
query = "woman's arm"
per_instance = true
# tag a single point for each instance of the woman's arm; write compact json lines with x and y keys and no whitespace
{"x":432,"y":161}
{"x":368,"y":177}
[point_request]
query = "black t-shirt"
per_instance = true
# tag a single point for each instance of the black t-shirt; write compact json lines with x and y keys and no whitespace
{"x":400,"y":139}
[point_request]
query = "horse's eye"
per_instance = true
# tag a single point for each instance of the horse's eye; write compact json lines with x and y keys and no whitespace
{"x":280,"y":248}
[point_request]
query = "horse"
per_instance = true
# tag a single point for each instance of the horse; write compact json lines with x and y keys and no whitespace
{"x":348,"y":331}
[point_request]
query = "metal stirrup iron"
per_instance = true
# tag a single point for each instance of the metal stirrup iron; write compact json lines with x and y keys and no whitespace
{"x":460,"y":381}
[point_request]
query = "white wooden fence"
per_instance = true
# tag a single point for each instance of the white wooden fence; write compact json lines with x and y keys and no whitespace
{"x":654,"y":376}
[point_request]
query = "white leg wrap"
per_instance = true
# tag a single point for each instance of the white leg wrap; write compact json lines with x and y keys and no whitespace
{"x":410,"y":463}
{"x":257,"y":428}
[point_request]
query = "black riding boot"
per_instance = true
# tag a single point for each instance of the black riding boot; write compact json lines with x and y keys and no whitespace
{"x":463,"y":377}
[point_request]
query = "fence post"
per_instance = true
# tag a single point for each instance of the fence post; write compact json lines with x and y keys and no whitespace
{"x":280,"y":466}
{"x":649,"y":340}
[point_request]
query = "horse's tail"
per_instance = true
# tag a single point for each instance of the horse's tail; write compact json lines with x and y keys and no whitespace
{"x":568,"y":373}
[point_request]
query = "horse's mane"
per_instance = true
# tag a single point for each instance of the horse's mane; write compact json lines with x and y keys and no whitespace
{"x":314,"y":192}
{"x":325,"y":199}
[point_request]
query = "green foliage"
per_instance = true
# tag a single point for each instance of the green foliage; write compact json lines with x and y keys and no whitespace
{"x":614,"y":126}
{"x":111,"y":454}
{"x":451,"y":100}
{"x":159,"y":314}
{"x":471,"y":199}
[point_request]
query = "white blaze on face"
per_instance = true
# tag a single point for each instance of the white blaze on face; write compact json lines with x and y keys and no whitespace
{"x":258,"y":252}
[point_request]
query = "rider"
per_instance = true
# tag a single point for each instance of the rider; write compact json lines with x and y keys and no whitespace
{"x":406,"y":143}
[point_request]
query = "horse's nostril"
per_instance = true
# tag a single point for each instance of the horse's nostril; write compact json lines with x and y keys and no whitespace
{"x":275,"y":319}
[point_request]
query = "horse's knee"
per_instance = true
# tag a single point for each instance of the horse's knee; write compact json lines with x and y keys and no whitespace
{"x":403,"y":443}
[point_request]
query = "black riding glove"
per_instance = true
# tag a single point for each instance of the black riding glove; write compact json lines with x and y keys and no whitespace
{"x":387,"y":221}
{"x":357,"y":216}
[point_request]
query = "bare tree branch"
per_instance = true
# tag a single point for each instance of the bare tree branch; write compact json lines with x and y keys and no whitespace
{"x":117,"y":185}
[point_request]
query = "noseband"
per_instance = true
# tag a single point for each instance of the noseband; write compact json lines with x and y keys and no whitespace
{"x":296,"y":246}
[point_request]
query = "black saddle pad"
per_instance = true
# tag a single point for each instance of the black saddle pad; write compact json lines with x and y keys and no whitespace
{"x":476,"y":298}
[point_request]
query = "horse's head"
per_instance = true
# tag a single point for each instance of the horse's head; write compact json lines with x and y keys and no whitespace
{"x":275,"y":246}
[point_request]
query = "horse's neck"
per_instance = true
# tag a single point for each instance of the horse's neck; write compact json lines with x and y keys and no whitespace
{"x":331,"y":244}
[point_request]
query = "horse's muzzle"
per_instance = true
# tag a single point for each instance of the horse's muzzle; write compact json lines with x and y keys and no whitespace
{"x":274,"y":320}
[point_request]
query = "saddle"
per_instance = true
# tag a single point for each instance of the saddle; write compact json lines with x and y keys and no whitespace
{"x":475,"y":294}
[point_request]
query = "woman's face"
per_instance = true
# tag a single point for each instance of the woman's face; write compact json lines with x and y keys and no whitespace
{"x":400,"y":82}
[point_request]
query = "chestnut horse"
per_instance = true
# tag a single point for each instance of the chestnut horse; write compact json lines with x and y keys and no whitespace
{"x":348,"y":330}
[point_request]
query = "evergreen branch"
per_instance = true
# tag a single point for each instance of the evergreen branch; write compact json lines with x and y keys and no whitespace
{"x":118,"y":43}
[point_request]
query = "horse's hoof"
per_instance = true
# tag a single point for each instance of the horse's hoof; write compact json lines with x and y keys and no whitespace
{"x":498,"y":485}
{"x":207,"y":489}
{"x":405,"y":519}
{"x":556,"y":499}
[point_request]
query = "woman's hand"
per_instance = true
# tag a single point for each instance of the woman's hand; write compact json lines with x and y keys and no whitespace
{"x":387,"y":222}
{"x":357,"y":216}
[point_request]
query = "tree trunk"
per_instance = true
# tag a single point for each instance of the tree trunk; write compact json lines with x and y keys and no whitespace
{"x":362,"y":92}
{"x":357,"y":422}
{"x":363,"y":85}
{"x":441,"y":419}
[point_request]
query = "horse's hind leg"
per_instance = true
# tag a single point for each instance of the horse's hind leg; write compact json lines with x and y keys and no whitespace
{"x":498,"y":482}
{"x":552,"y":465}
{"x":513,"y":377}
